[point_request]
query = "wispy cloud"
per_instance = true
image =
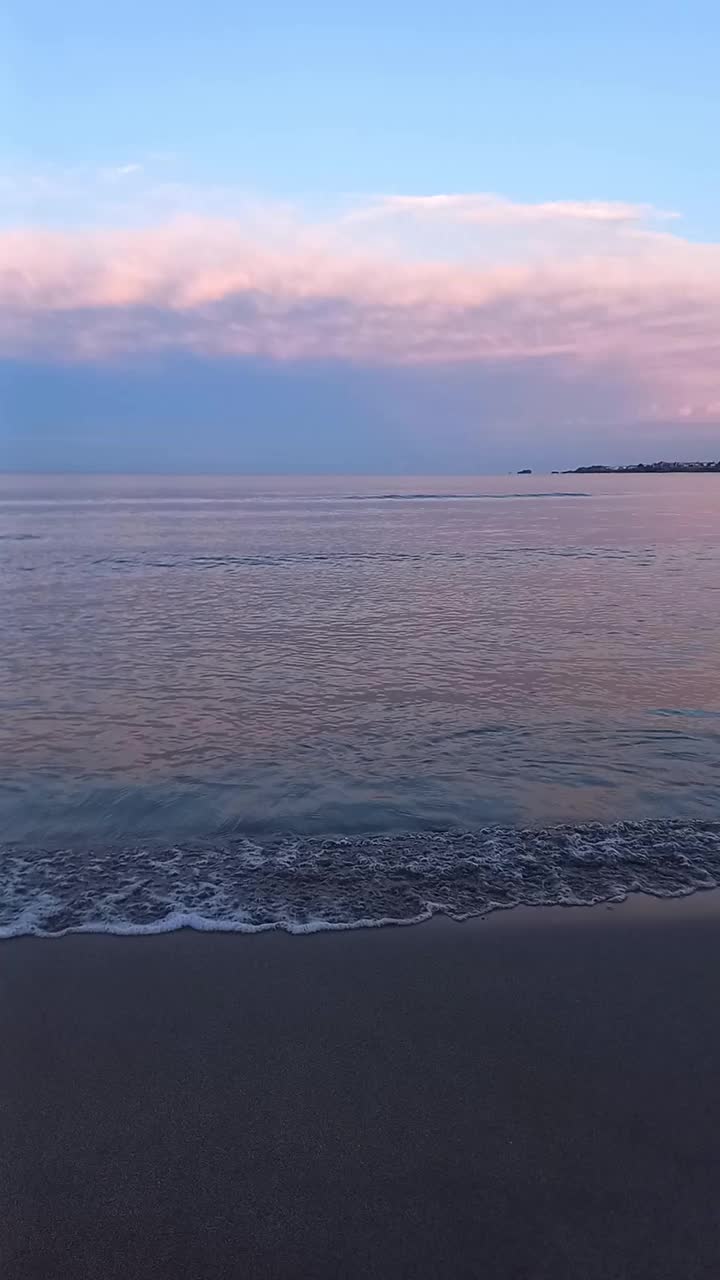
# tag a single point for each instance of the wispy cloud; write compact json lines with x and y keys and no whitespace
{"x":486,"y":209}
{"x":116,"y":173}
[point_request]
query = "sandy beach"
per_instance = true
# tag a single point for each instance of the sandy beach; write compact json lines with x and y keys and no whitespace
{"x":534,"y":1095}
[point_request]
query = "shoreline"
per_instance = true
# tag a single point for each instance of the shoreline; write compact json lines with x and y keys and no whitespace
{"x":306,"y":884}
{"x":529,"y":1094}
{"x":635,"y":905}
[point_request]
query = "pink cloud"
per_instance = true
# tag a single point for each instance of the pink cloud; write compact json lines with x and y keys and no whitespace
{"x":493,"y":209}
{"x":641,"y":303}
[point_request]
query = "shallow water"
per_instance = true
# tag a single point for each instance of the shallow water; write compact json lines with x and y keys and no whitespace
{"x":198,"y":659}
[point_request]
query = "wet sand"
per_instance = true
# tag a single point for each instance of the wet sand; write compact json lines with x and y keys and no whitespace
{"x":536,"y":1095}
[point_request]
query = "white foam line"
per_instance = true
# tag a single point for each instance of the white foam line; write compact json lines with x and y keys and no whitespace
{"x":205,"y":924}
{"x":178,"y":920}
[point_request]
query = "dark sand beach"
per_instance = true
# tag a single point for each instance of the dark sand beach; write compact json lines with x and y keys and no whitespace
{"x":534,"y":1095}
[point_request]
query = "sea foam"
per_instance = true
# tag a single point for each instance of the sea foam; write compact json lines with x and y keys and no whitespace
{"x":305,"y":884}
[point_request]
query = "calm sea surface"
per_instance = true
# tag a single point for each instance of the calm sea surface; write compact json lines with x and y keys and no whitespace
{"x":237,"y":663}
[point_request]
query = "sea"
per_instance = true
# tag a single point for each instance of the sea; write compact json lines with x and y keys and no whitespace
{"x":244,"y":703}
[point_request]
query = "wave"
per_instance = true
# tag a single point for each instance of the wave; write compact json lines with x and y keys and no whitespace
{"x":290,"y":559}
{"x":276,"y":560}
{"x":456,"y":497}
{"x":304,"y":884}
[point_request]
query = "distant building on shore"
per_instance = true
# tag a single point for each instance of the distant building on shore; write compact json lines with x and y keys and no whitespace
{"x":686,"y":468}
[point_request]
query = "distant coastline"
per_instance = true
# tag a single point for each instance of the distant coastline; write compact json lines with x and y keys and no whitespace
{"x":684,"y":468}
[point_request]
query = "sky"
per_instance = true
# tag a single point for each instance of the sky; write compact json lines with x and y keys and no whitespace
{"x":407,"y":237}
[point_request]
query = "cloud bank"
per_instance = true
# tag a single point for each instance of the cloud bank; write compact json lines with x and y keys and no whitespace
{"x":599,"y":291}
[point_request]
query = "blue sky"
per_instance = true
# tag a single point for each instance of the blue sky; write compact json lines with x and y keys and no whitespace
{"x":585,"y":127}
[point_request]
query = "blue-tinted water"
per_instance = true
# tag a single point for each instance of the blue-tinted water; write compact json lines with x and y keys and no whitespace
{"x":229,"y":665}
